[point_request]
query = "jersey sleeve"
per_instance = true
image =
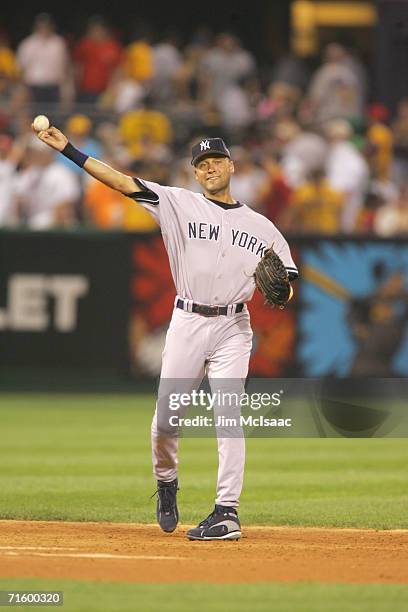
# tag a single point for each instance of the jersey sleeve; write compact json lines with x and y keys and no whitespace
{"x":281,"y":248}
{"x":155,"y":198}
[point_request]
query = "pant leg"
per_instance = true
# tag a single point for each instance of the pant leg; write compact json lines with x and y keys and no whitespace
{"x":183,"y":363}
{"x":227,"y":372}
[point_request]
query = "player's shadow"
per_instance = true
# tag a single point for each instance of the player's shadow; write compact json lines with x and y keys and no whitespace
{"x":362,"y":408}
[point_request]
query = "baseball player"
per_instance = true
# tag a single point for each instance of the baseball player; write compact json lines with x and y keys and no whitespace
{"x":214,"y":244}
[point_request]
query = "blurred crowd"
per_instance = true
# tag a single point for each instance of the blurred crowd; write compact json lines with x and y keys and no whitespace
{"x":312,"y":150}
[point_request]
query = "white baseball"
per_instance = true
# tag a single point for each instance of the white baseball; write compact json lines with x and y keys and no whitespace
{"x":41,"y":123}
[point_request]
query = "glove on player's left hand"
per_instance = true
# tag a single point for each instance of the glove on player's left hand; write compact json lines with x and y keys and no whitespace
{"x":272,"y":279}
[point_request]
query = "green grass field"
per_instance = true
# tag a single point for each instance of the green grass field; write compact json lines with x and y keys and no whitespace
{"x":87,"y":457}
{"x":183,"y":597}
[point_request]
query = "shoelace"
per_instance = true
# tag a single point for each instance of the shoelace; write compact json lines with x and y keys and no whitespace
{"x":167,"y":495}
{"x":207,"y":521}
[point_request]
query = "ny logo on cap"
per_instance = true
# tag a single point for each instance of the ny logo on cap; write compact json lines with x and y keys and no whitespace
{"x":204,"y":145}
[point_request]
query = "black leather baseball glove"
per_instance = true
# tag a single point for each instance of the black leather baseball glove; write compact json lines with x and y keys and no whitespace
{"x":272,"y":279}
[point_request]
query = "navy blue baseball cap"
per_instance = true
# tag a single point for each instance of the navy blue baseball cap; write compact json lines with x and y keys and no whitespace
{"x":209,"y":147}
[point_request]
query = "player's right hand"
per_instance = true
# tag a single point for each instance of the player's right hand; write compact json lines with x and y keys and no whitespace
{"x":53,"y":137}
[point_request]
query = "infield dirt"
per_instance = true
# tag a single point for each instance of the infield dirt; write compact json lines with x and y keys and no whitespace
{"x":142,"y":553}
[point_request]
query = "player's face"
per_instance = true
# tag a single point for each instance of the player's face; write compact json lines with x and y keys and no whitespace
{"x":214,"y":173}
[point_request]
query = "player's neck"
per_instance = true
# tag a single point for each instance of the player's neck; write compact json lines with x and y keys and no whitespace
{"x":223,"y":195}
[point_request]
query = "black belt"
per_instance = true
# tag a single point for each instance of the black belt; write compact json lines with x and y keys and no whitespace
{"x":209,"y":311}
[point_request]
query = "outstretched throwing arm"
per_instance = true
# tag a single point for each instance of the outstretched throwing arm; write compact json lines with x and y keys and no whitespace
{"x":99,"y":170}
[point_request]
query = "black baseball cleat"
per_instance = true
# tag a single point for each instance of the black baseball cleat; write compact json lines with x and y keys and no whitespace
{"x":166,"y":509}
{"x":222,"y":524}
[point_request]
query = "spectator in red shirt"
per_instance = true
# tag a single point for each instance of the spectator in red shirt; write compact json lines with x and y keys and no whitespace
{"x":96,"y":56}
{"x":276,"y":194}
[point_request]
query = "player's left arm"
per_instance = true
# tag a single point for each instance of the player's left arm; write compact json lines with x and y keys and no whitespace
{"x":281,"y":248}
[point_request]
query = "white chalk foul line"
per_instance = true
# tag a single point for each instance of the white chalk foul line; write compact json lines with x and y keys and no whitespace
{"x":36,"y":548}
{"x":13,"y":553}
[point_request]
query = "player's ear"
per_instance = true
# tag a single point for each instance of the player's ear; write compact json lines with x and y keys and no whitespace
{"x":232,"y":167}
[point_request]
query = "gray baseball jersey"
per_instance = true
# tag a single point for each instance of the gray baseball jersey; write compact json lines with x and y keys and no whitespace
{"x":213,"y":248}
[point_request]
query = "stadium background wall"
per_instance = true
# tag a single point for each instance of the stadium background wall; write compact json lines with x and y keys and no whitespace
{"x":90,"y":310}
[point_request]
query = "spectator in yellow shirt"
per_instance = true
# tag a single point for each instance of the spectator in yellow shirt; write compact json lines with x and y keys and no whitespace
{"x":379,"y":142}
{"x":12,"y":92}
{"x":138,"y":62}
{"x":315,"y":207}
{"x":8,"y":64}
{"x":144,"y":124}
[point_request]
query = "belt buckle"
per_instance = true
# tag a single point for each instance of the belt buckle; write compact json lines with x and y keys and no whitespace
{"x":209,"y":311}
